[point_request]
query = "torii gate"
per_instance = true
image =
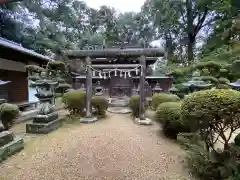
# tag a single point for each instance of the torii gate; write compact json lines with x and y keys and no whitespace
{"x":140,"y":53}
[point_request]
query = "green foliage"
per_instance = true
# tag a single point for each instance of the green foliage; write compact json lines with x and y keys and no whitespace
{"x":223,"y":81}
{"x":212,"y":112}
{"x":34,"y":68}
{"x":182,"y":90}
{"x":180,"y":73}
{"x":168,"y":114}
{"x":101,"y":105}
{"x":159,"y":98}
{"x":221,"y":165}
{"x":8,"y":112}
{"x":198,"y":160}
{"x":56,"y":65}
{"x":75,"y":101}
{"x":134,"y":103}
{"x":223,"y":86}
{"x":210,"y":79}
{"x":210,"y":65}
{"x":165,"y":111}
{"x":62,"y":87}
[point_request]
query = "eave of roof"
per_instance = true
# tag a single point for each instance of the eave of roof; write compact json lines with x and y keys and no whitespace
{"x":14,"y":46}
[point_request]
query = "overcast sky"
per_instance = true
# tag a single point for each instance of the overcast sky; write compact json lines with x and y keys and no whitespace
{"x":120,"y":5}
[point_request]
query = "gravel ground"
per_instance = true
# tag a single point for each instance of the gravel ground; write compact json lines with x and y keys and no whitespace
{"x":113,"y":148}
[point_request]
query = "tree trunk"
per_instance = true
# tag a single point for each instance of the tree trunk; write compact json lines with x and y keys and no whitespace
{"x":191,"y":39}
{"x":169,"y":47}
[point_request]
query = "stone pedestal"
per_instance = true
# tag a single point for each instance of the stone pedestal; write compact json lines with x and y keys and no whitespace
{"x":98,"y":94}
{"x":43,"y":124}
{"x":146,"y":121}
{"x":9,"y":144}
{"x":88,"y":119}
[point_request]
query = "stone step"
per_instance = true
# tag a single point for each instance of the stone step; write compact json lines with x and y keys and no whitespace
{"x":6,"y":137}
{"x":118,"y":102}
{"x":119,"y":110}
{"x":11,"y":148}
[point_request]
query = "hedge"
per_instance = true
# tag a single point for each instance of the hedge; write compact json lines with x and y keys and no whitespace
{"x":159,"y":98}
{"x":168,"y":114}
{"x":133,"y":103}
{"x":75,"y":102}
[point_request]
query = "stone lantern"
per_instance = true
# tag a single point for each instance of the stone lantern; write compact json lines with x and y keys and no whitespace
{"x":98,"y":89}
{"x":173,"y":90}
{"x":46,"y":119}
{"x":157,"y":88}
{"x":196,"y":83}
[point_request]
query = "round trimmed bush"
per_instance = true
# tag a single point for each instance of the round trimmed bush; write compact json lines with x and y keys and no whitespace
{"x":210,"y":107}
{"x":133,"y":103}
{"x":168,"y":114}
{"x":8,"y":112}
{"x":222,"y":86}
{"x":159,"y":98}
{"x":101,"y":105}
{"x":75,"y":101}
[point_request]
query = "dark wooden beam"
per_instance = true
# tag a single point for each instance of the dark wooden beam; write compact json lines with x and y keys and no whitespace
{"x":114,"y":53}
{"x":112,"y":59}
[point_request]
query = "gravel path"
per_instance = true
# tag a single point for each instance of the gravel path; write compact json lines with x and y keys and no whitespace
{"x":113,"y":148}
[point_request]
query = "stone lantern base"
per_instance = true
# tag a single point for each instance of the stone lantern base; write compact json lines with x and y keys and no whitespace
{"x":44,"y":124}
{"x":9,"y":144}
{"x":146,"y":121}
{"x":88,"y":119}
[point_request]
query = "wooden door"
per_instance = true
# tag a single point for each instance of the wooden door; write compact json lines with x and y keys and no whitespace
{"x":120,"y":87}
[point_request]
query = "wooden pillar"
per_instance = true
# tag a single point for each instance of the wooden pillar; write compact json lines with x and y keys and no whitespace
{"x":89,"y":88}
{"x":142,"y":88}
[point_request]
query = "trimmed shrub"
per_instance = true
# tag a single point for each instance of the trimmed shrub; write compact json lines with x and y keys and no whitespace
{"x":159,"y":98}
{"x":223,"y":86}
{"x":56,"y":65}
{"x":133,"y":103}
{"x":101,"y":105}
{"x":182,"y":90}
{"x":210,"y":79}
{"x":62,"y":87}
{"x":223,"y":80}
{"x":75,"y":101}
{"x":168,"y":114}
{"x":212,"y":112}
{"x":8,"y":112}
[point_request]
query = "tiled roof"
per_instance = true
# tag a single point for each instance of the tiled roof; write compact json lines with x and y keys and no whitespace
{"x":17,"y":47}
